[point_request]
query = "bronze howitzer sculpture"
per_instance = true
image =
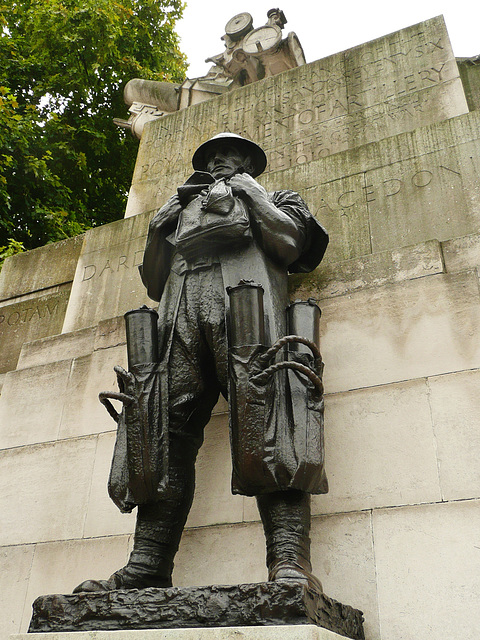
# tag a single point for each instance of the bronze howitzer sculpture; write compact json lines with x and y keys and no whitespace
{"x":222,"y":232}
{"x":249,"y":55}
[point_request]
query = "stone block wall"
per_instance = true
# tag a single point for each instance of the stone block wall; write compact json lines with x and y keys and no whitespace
{"x":34,"y":292}
{"x":470,"y":74}
{"x":382,"y":88}
{"x":380,"y":143}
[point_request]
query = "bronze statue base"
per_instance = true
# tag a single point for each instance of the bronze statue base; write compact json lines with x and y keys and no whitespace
{"x":260,"y":604}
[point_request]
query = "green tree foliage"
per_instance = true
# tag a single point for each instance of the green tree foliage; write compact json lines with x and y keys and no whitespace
{"x":64,"y":166}
{"x":11,"y":249}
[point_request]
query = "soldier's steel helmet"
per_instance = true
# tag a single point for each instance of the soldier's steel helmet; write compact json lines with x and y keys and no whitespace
{"x":244,"y":145}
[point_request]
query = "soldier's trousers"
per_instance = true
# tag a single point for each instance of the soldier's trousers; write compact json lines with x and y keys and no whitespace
{"x":197,"y":375}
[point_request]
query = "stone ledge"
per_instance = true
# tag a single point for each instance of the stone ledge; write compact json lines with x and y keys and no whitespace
{"x":246,"y":605}
{"x":41,"y":268}
{"x":335,"y":279}
{"x":283,"y":632}
{"x":462,"y":253}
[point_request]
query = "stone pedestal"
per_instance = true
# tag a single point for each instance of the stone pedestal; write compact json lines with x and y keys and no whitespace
{"x":245,"y":605}
{"x":283,"y":632}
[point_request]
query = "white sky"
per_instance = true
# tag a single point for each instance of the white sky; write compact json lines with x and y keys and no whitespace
{"x":324,"y":28}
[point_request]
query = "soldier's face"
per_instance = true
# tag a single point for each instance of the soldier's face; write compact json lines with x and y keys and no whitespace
{"x":225,"y":160}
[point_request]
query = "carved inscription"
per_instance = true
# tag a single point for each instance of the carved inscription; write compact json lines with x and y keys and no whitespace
{"x":102,"y":268}
{"x":22,"y":322}
{"x":28,"y":314}
{"x":316,"y":135}
{"x":372,"y":191}
{"x":368,"y":93}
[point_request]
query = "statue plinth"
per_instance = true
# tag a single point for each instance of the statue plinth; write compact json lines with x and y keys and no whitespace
{"x":259,"y":604}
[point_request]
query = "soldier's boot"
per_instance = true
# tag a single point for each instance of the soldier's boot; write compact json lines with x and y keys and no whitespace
{"x":158,"y":531}
{"x":286,"y":522}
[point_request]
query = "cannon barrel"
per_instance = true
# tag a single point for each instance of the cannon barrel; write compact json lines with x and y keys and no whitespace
{"x":164,"y":95}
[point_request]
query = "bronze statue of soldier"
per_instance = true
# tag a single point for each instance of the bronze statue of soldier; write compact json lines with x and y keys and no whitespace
{"x":222,"y":230}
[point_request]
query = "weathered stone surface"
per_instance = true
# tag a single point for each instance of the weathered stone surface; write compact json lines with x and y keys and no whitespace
{"x":40,"y":268}
{"x":403,"y":196}
{"x":28,"y":320}
{"x":354,"y":126}
{"x":45,"y":491}
{"x":248,"y":604}
{"x":418,"y":169}
{"x":423,"y":141}
{"x":361,"y":196}
{"x":386,"y":267}
{"x":346,"y":220}
{"x":469,"y":69}
{"x":145,"y":196}
{"x":110,"y":333}
{"x":428,"y":565}
{"x":43,"y":386}
{"x":213,"y":555}
{"x":422,"y":327}
{"x":455,"y":405}
{"x":67,"y":391}
{"x":107,"y":282}
{"x":64,"y":346}
{"x":83,"y":414}
{"x":82,"y":559}
{"x":15,"y":564}
{"x":406,"y":189}
{"x":102,"y":517}
{"x":284,"y":632}
{"x":221,"y":406}
{"x":343,"y":557}
{"x":379,"y":89}
{"x":382,"y":449}
{"x":462,"y":253}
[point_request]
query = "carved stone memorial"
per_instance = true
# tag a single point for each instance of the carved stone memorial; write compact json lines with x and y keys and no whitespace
{"x":250,"y":55}
{"x":382,"y":142}
{"x":217,"y":258}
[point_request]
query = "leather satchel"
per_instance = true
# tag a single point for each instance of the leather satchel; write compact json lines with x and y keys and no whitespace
{"x":212,"y":221}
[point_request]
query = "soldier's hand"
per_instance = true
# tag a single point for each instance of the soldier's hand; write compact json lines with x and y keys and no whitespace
{"x":126,"y":380}
{"x":244,"y":186}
